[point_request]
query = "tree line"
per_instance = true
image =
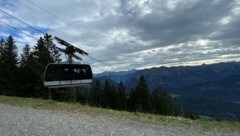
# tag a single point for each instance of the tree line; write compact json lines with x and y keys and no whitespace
{"x":22,"y":75}
{"x":139,"y":99}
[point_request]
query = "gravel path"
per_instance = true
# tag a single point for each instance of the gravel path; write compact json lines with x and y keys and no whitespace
{"x":28,"y":121}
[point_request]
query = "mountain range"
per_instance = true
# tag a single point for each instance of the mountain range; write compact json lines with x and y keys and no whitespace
{"x":212,"y":90}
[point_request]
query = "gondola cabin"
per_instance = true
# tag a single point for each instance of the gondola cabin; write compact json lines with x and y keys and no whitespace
{"x":67,"y":75}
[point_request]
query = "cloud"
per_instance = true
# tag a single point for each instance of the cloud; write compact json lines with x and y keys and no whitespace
{"x":128,"y":34}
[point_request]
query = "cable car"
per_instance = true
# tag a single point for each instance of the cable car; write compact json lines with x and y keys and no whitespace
{"x":67,"y":75}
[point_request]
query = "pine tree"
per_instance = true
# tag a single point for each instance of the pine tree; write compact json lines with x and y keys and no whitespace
{"x":96,"y":95}
{"x":142,"y":94}
{"x":162,"y":103}
{"x":43,"y":54}
{"x":166,"y":102}
{"x":109,"y":96}
{"x":41,"y":57}
{"x":25,"y":56}
{"x":51,"y":47}
{"x":1,"y":67}
{"x":132,"y":100}
{"x":177,"y":110}
{"x":1,"y":47}
{"x":10,"y":53}
{"x":121,"y":95}
{"x":156,"y":102}
{"x":191,"y":114}
{"x":9,"y":67}
{"x":45,"y":50}
{"x":28,"y":74}
{"x":82,"y":96}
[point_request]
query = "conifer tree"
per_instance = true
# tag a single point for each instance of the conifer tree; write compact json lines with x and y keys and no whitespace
{"x":121,"y":95}
{"x":191,"y":114}
{"x":43,"y":54}
{"x":51,"y":47}
{"x":96,"y":95}
{"x":156,"y":102}
{"x":110,"y":98}
{"x":1,"y":67}
{"x":162,"y":103}
{"x":27,"y":73}
{"x":25,"y":56}
{"x":10,"y":66}
{"x":132,"y":100}
{"x":82,"y":96}
{"x":1,"y":47}
{"x":142,"y":94}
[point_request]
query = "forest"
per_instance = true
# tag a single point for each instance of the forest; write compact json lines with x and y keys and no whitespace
{"x":22,"y":76}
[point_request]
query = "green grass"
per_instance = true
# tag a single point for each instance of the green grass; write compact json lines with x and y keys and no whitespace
{"x":201,"y":124}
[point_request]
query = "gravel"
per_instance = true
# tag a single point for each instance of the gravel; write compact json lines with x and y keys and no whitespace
{"x":26,"y":121}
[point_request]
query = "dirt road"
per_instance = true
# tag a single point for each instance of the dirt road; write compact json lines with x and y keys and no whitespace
{"x":28,"y":121}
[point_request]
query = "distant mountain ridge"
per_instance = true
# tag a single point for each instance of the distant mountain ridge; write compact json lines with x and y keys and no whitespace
{"x":214,"y":83}
{"x":174,"y":77}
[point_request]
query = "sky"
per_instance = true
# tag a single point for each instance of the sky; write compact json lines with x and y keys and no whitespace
{"x":122,"y":35}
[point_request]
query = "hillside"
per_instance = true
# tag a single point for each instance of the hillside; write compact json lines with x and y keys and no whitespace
{"x":42,"y":117}
{"x":175,"y":77}
{"x":227,"y":89}
{"x":194,"y":84}
{"x":219,"y":99}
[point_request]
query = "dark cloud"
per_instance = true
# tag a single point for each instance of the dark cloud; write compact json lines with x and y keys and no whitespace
{"x":130,"y":34}
{"x":185,"y":23}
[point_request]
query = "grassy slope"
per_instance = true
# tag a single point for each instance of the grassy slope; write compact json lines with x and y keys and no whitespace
{"x":206,"y":125}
